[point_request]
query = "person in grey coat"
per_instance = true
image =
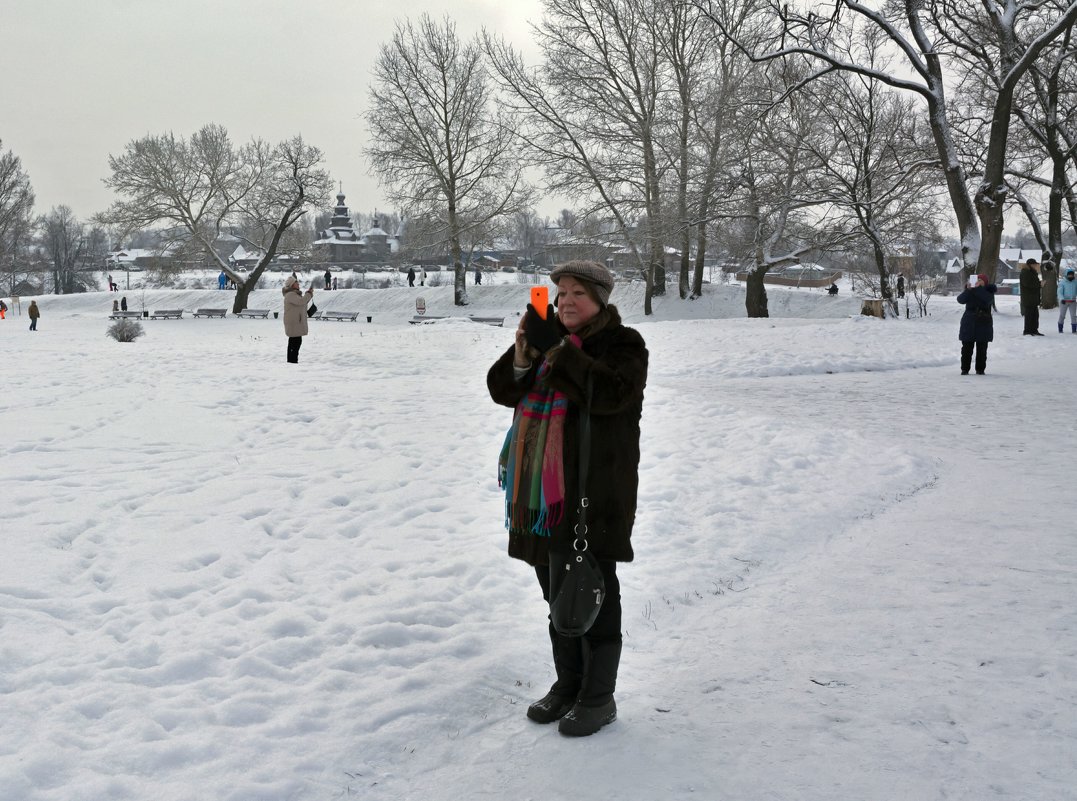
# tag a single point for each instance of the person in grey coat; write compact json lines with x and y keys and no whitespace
{"x":295,"y":315}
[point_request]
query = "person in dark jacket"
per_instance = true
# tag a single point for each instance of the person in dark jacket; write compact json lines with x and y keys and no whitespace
{"x":544,"y":378}
{"x":411,"y":276}
{"x":123,"y":303}
{"x":977,"y":327}
{"x":328,"y":279}
{"x":1030,"y":297}
{"x":35,"y":315}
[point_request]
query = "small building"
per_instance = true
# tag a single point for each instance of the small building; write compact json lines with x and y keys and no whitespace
{"x":339,"y":243}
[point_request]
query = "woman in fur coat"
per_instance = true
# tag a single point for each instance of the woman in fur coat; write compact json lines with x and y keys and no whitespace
{"x":295,"y":315}
{"x":544,"y":376}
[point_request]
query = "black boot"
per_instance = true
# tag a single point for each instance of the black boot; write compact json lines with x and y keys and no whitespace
{"x":584,"y":721}
{"x":595,"y":707}
{"x":568,"y":663}
{"x":550,"y":707}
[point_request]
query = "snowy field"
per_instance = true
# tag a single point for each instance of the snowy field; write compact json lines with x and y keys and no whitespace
{"x":225,"y":577}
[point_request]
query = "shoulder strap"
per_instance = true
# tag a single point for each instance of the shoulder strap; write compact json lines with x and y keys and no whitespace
{"x":585,"y":459}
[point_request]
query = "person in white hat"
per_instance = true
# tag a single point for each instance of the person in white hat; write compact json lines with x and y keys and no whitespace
{"x":295,"y":315}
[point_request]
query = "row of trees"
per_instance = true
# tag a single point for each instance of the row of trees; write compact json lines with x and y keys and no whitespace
{"x":773,"y":130}
{"x":51,"y":251}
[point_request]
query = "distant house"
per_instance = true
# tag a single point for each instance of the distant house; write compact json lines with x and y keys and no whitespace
{"x":246,"y":259}
{"x":1009,"y":266}
{"x":137,"y":259}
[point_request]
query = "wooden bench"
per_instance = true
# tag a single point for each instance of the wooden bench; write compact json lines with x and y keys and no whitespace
{"x":125,"y":315}
{"x":211,"y":313}
{"x":166,"y":314}
{"x":336,"y":315}
{"x":253,"y":313}
{"x":498,"y":321}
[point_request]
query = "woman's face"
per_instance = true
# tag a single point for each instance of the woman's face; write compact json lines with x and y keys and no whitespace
{"x":575,"y":307}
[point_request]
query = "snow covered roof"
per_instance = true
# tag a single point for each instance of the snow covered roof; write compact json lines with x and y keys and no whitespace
{"x":242,"y":254}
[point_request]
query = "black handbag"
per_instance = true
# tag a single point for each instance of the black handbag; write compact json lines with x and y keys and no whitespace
{"x":577,"y":586}
{"x":312,"y":310}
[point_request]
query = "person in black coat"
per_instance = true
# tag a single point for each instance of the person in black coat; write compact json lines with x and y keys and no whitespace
{"x":977,"y":327}
{"x":1030,"y":297}
{"x":552,"y":358}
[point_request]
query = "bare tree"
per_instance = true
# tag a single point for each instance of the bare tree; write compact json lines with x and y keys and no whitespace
{"x":206,"y":186}
{"x":591,"y":118}
{"x":1000,"y":39}
{"x":438,"y":145}
{"x":1049,"y":115}
{"x":16,"y":209}
{"x":879,"y":167}
{"x":720,"y":109}
{"x":63,"y":241}
{"x":779,"y":203}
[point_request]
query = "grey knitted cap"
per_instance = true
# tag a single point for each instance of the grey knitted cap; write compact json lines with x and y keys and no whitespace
{"x":590,"y":271}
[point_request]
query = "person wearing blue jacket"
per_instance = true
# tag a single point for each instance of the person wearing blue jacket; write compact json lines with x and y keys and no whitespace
{"x":1067,"y":300}
{"x":977,"y":326}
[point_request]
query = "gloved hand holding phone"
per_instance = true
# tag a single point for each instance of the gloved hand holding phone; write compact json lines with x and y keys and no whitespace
{"x":542,"y":334}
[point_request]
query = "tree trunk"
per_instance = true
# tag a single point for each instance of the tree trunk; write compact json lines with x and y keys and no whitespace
{"x":459,"y":277}
{"x":956,"y":185}
{"x":701,"y":248}
{"x":884,"y":278}
{"x":755,"y":295}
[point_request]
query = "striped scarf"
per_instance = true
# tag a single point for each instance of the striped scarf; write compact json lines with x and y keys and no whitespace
{"x":531,"y":468}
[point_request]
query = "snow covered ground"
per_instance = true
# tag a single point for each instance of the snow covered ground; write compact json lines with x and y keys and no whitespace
{"x":226,"y":577}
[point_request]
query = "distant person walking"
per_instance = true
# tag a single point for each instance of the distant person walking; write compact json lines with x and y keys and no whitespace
{"x":411,"y":276}
{"x":295,"y":316}
{"x":335,"y":285}
{"x":478,"y":276}
{"x":34,"y":313}
{"x":328,"y":279}
{"x":422,"y":275}
{"x":1067,"y":300}
{"x":1030,"y":297}
{"x":977,"y":325}
{"x":901,"y":286}
{"x":3,"y":310}
{"x":222,"y":280}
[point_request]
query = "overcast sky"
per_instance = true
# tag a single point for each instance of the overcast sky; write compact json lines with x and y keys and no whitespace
{"x":78,"y":79}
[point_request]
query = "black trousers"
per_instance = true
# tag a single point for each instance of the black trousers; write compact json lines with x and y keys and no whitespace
{"x":294,"y":344}
{"x":981,"y":356}
{"x":587,"y":666}
{"x":1032,"y":319}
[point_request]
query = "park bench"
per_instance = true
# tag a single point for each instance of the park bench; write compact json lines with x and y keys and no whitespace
{"x":211,"y":313}
{"x":166,"y":314}
{"x":498,"y":321}
{"x":253,"y":313}
{"x":125,"y":315}
{"x":337,"y":315}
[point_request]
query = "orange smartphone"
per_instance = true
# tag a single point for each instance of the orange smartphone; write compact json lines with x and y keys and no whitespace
{"x":540,"y":299}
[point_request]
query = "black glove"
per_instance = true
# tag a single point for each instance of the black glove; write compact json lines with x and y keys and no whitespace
{"x":541,"y":334}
